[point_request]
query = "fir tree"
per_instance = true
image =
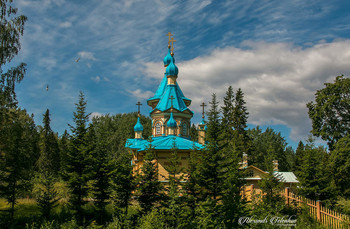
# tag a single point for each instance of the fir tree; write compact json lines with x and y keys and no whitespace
{"x":17,"y":156}
{"x":240,"y":113}
{"x":233,"y":206}
{"x":122,"y":183}
{"x":172,"y":203}
{"x":339,"y":162}
{"x":227,"y":120}
{"x":210,"y":167}
{"x":194,"y":133}
{"x":192,"y":189}
{"x":48,"y":165}
{"x":148,"y":187}
{"x":78,"y":170}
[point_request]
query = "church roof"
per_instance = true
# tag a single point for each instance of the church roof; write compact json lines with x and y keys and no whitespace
{"x":161,"y":89}
{"x":138,"y":126}
{"x":165,"y":103}
{"x":163,"y":143}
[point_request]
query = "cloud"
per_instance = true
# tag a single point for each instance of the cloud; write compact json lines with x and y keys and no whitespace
{"x":97,"y":79}
{"x":139,"y":94}
{"x":278,"y":79}
{"x":86,"y":55}
{"x":95,"y":115}
{"x":65,"y":24}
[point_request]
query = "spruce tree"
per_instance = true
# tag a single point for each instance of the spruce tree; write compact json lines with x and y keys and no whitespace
{"x":148,"y":187}
{"x":48,"y":168}
{"x":18,"y":154}
{"x":122,"y":184}
{"x":194,"y":133}
{"x":78,"y":170}
{"x":240,"y":117}
{"x":340,"y":167}
{"x":191,"y":189}
{"x":233,"y":205}
{"x":210,"y":167}
{"x":173,"y":203}
{"x":240,"y":113}
{"x":227,"y":120}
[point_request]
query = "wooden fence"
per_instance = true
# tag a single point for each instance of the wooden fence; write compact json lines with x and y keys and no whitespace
{"x":325,"y":216}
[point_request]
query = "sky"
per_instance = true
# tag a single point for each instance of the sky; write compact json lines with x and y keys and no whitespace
{"x":278,"y":52}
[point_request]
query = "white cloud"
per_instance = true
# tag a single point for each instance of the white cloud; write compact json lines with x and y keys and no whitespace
{"x":97,"y":79}
{"x":48,"y":63}
{"x":65,"y":24}
{"x":278,"y":79}
{"x":95,"y":114}
{"x":139,"y":94}
{"x":86,"y":55}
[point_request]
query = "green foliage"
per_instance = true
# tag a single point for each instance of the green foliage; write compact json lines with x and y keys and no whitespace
{"x":172,"y":201}
{"x":312,"y":173}
{"x":193,"y":133}
{"x":78,"y":170}
{"x":339,"y":163}
{"x":154,"y":219}
{"x":228,"y":118}
{"x":330,"y":113}
{"x":268,"y":144}
{"x":12,"y":27}
{"x":240,"y":113}
{"x":18,"y":152}
{"x":148,"y":187}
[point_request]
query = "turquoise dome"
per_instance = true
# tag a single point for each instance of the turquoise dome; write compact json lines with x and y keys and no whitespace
{"x":171,"y":122}
{"x":171,"y":70}
{"x":138,"y":126}
{"x":202,"y":122}
{"x":167,"y":59}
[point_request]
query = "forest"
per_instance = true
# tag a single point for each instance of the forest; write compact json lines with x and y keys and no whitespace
{"x":83,"y":178}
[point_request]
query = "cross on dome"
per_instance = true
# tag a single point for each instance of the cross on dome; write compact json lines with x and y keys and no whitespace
{"x":203,"y":105}
{"x":138,"y":104}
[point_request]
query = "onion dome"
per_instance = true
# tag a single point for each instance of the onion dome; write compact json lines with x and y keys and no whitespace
{"x":171,"y":70}
{"x":202,"y":122}
{"x":171,"y":122}
{"x":138,"y":126}
{"x":167,"y":59}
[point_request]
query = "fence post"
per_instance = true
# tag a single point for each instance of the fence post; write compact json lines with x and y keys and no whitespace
{"x":318,"y":208}
{"x":287,"y":195}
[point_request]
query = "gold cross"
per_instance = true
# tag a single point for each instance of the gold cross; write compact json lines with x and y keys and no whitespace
{"x":203,"y":105}
{"x":172,"y":45}
{"x":171,"y":98}
{"x":169,"y":35}
{"x":138,"y":104}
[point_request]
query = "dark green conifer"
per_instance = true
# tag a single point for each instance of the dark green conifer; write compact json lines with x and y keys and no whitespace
{"x":78,"y":170}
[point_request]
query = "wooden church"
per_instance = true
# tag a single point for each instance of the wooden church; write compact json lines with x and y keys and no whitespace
{"x":171,"y":121}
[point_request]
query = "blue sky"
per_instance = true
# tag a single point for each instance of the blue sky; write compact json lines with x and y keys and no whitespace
{"x":278,"y":52}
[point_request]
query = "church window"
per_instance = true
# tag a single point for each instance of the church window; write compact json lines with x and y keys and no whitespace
{"x":158,"y":127}
{"x":184,"y":129}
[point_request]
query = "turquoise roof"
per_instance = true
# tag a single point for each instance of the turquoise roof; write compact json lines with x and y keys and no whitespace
{"x":163,"y":143}
{"x":171,"y":70}
{"x":171,"y":122}
{"x":167,"y":59}
{"x":160,"y":89}
{"x":138,"y":126}
{"x":178,"y":103}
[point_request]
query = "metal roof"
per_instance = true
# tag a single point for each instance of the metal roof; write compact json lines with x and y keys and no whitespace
{"x":287,"y":177}
{"x":165,"y":103}
{"x":163,"y":143}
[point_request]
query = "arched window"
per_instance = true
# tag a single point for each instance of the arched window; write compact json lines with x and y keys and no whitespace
{"x":184,"y":129}
{"x":158,"y":128}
